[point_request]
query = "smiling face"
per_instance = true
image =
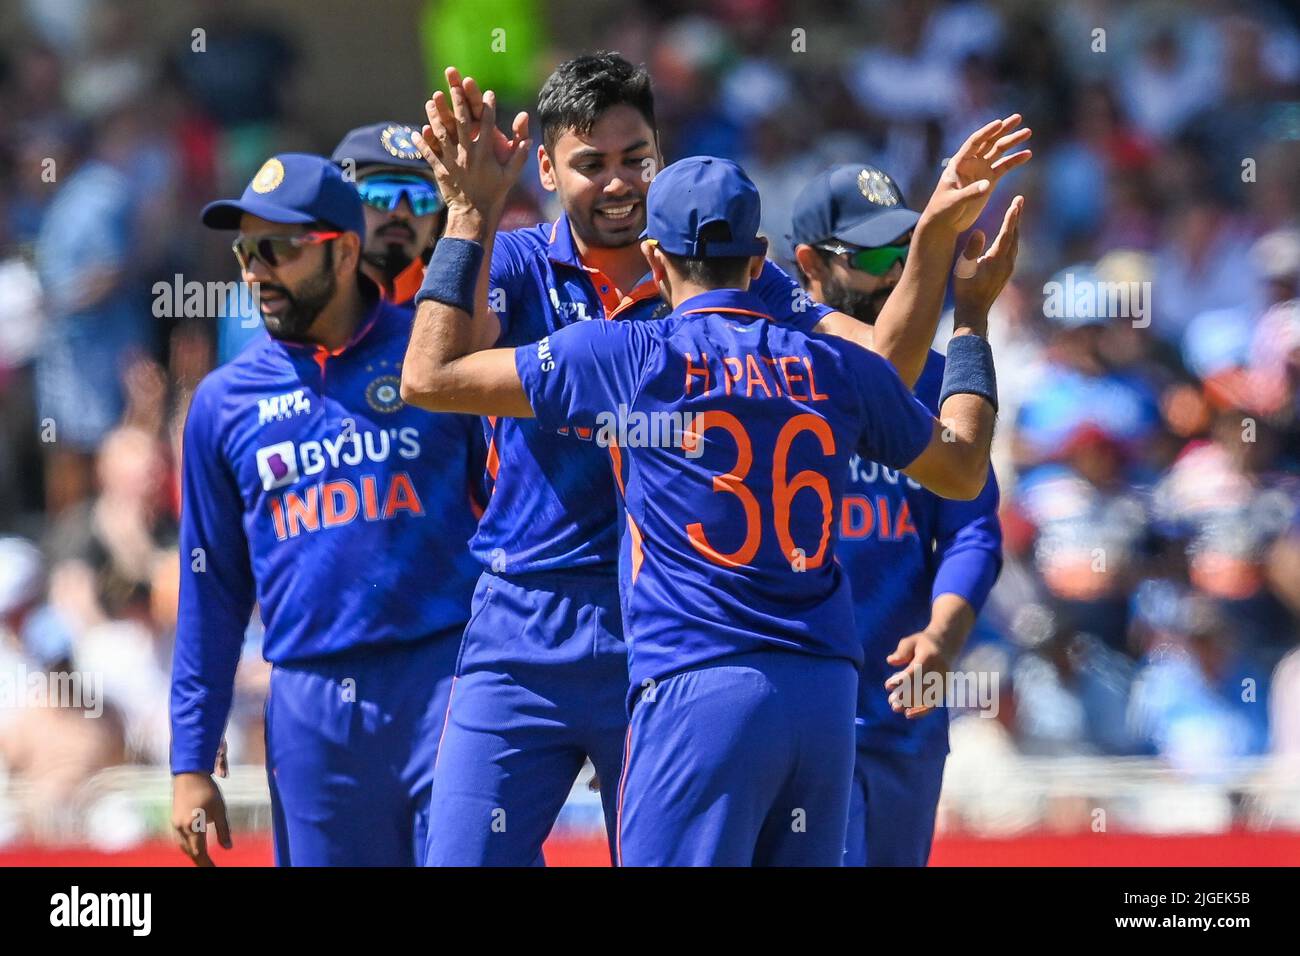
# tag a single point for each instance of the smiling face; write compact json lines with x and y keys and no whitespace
{"x":291,"y":294}
{"x":602,"y":176}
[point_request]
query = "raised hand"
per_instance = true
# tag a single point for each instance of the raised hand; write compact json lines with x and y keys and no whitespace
{"x":474,"y":163}
{"x":974,"y":170}
{"x":980,"y":276}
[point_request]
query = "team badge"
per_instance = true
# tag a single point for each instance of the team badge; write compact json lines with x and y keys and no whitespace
{"x":397,"y":140}
{"x":384,"y":394}
{"x":268,"y":177}
{"x":878,"y":188}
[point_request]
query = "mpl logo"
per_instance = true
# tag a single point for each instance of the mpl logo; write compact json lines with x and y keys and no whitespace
{"x":569,"y":310}
{"x":279,"y":407}
{"x":278,"y":465}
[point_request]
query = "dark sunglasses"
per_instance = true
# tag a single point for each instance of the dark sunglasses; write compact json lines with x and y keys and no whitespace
{"x":385,"y":193}
{"x":876,"y":260}
{"x":273,"y":250}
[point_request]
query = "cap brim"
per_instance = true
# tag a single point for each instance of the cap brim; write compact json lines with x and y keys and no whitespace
{"x":416,"y":168}
{"x":879,"y":230}
{"x":225,"y":213}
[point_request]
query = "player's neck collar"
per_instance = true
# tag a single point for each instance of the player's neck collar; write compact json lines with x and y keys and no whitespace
{"x":561,"y":247}
{"x":724,"y":300}
{"x":374,"y":308}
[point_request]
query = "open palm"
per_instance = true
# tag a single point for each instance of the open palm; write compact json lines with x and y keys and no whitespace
{"x":474,"y":162}
{"x":972,"y":172}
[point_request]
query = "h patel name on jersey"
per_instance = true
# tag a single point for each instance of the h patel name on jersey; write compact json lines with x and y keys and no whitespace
{"x":338,"y":501}
{"x":752,"y":373}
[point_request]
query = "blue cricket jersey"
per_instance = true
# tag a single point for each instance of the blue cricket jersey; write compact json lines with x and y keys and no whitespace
{"x":902,"y":546}
{"x":730,"y":436}
{"x":552,"y":503}
{"x":310,"y":487}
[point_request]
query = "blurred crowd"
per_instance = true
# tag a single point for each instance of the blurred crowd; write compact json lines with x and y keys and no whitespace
{"x":1148,"y":444}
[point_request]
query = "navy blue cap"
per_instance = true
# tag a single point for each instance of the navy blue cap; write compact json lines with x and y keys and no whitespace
{"x":692,"y":193}
{"x":855,"y":204}
{"x":382,"y":144}
{"x":293,"y":188}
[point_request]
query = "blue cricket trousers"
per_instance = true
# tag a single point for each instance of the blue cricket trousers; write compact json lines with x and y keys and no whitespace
{"x":746,"y":762}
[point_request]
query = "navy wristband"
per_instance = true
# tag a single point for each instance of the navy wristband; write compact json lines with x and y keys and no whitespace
{"x":968,"y":370}
{"x":452,"y":274}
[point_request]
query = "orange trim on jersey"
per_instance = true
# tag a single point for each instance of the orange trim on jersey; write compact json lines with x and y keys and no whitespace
{"x":493,"y":463}
{"x":760,"y":315}
{"x":320,"y":353}
{"x":407,"y":283}
{"x":646,"y":290}
{"x":616,"y":455}
{"x":610,"y":300}
{"x":638,"y":548}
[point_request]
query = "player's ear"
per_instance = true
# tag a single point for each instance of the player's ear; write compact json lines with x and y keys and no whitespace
{"x":756,"y":263}
{"x":810,"y":263}
{"x":347,"y":253}
{"x":654,"y":257}
{"x":545,"y":169}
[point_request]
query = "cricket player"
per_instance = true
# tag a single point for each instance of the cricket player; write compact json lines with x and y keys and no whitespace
{"x":404,"y":210}
{"x":542,"y":677}
{"x":730,"y":436}
{"x":921,"y":566}
{"x":311,"y":489}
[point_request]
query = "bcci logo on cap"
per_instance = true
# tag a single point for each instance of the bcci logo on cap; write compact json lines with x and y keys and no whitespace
{"x":277,"y":465}
{"x":397,"y":140}
{"x":878,"y":188}
{"x":268,"y":177}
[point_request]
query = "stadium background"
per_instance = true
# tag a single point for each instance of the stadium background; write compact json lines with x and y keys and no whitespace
{"x":1144,"y":632}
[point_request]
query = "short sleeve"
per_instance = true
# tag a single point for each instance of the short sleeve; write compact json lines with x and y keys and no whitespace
{"x":575,"y":374}
{"x":897,"y":426}
{"x":786,"y":300}
{"x":507,"y":274}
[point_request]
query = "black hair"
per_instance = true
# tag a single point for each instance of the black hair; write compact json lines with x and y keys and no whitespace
{"x":722,"y":272}
{"x":580,"y":90}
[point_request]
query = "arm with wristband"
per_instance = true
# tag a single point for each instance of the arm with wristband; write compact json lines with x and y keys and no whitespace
{"x":948,"y":455}
{"x":968,"y":394}
{"x":475,"y":166}
{"x":955,"y":463}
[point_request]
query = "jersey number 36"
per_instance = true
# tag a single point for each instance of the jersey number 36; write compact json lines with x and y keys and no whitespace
{"x":783,"y":489}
